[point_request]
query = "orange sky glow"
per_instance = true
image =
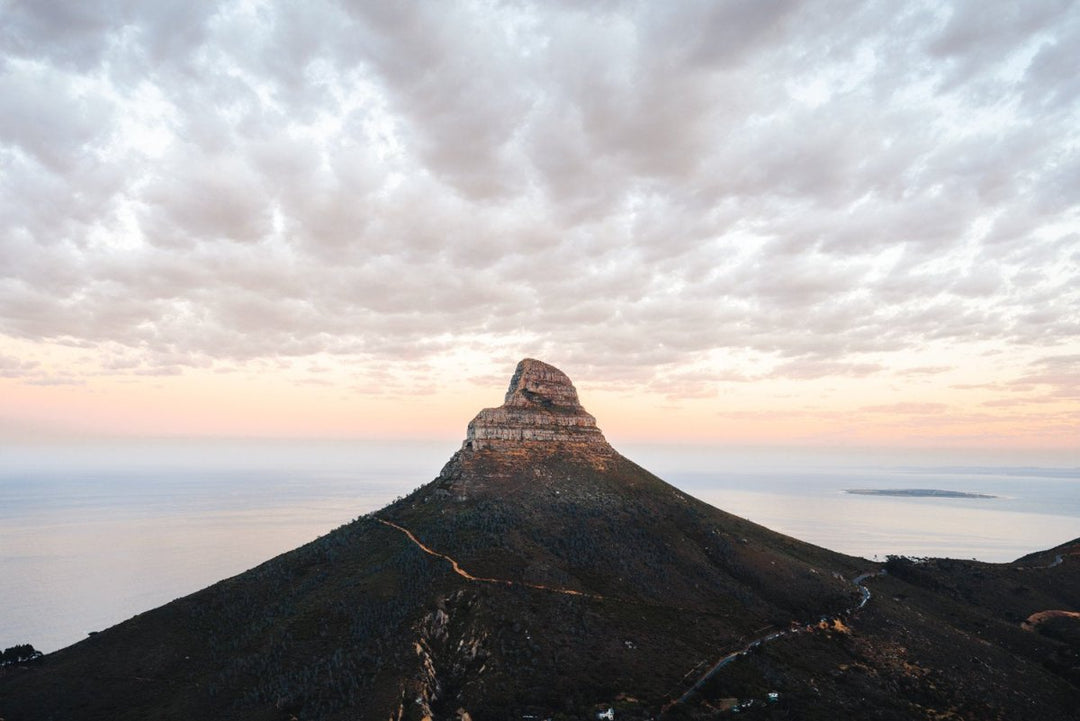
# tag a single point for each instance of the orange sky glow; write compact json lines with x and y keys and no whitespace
{"x":890,"y":410}
{"x":769,"y":224}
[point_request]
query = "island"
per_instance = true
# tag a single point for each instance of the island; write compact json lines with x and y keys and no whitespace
{"x":916,"y":493}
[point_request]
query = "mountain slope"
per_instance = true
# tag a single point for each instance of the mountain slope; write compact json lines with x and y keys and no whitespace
{"x":543,"y":574}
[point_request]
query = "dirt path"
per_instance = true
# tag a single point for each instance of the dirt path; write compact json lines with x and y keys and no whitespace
{"x":460,"y":570}
{"x":481,"y":579}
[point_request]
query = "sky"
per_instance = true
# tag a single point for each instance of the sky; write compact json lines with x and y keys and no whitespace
{"x":835,"y":223}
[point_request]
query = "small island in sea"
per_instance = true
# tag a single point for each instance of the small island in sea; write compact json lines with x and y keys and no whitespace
{"x":916,"y":493}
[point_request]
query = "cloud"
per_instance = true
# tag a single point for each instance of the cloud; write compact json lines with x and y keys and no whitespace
{"x":12,"y":367}
{"x":908,"y":409}
{"x":67,"y":34}
{"x":48,"y":117}
{"x":973,"y":40}
{"x":1059,"y":374}
{"x":641,"y":188}
{"x":55,"y":380}
{"x":808,"y":369}
{"x":924,"y":370}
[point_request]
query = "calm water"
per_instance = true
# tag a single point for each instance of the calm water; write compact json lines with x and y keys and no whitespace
{"x":90,"y":536}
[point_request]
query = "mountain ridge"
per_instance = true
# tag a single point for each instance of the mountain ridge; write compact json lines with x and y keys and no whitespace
{"x":543,"y":574}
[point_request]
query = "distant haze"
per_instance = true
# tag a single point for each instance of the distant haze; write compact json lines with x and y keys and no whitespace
{"x":93,"y":532}
{"x":836,"y":224}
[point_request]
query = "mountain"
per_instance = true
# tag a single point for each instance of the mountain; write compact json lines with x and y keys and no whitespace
{"x":544,"y":575}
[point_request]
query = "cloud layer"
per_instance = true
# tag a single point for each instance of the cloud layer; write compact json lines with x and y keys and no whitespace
{"x":669,"y":193}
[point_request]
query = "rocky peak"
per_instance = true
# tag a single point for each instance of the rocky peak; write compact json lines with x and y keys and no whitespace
{"x":536,"y":383}
{"x":541,"y":404}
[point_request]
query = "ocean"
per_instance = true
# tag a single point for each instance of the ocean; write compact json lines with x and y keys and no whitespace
{"x":93,"y":534}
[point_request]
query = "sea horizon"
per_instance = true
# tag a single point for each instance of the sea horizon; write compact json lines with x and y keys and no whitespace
{"x":94,"y":532}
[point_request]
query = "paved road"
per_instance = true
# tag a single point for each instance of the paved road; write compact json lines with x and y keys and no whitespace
{"x":858,"y":582}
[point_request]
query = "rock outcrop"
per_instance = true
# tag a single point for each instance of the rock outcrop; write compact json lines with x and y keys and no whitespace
{"x":541,"y":405}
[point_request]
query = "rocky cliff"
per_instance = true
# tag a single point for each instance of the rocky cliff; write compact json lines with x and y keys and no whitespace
{"x":541,"y":405}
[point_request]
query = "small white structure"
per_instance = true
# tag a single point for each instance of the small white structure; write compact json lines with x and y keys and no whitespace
{"x":608,"y":715}
{"x":773,"y":697}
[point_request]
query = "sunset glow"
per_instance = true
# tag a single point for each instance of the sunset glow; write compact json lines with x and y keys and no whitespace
{"x":729,"y":224}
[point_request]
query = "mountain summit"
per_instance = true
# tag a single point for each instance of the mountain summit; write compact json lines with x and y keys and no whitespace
{"x":541,"y":406}
{"x":544,"y":575}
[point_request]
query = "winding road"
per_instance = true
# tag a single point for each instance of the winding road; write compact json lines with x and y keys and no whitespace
{"x":858,"y":582}
{"x":1032,"y":622}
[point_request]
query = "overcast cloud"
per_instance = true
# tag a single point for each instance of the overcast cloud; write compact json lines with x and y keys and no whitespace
{"x":816,"y":187}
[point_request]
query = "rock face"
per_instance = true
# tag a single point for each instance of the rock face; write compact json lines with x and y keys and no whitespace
{"x":541,"y":405}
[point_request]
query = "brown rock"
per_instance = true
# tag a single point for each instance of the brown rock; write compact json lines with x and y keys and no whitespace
{"x":541,"y":405}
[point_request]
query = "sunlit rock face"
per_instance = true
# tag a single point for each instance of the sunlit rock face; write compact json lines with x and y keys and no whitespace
{"x":541,"y":405}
